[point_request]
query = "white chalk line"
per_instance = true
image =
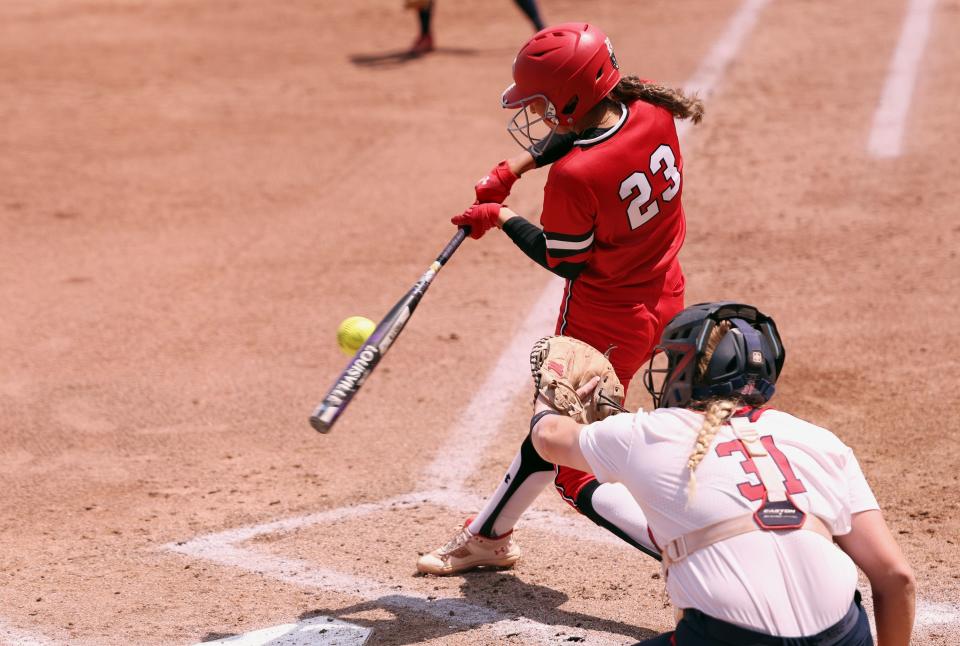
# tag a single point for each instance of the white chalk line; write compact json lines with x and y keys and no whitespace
{"x":937,"y":613}
{"x":889,"y":119}
{"x":222,"y":548}
{"x":706,"y":78}
{"x":449,"y":611}
{"x":10,"y":634}
{"x":929,"y":615}
{"x":560,"y":523}
{"x":444,"y":478}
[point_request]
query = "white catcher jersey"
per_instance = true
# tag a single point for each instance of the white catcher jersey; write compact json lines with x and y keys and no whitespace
{"x":786,"y":584}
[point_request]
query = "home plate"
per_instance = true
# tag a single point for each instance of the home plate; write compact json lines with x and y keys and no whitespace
{"x":316,"y":631}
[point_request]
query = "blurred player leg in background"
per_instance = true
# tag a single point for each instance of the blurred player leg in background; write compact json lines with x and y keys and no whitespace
{"x":424,"y":42}
{"x":529,"y":8}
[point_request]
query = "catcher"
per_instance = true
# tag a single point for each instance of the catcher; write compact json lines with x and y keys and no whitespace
{"x":744,"y":502}
{"x":613,"y":224}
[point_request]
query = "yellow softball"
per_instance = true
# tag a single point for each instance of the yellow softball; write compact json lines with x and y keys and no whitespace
{"x":353,"y":332}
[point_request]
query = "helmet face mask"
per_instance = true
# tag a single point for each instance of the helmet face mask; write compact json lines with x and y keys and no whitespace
{"x":680,"y":364}
{"x":745,"y":364}
{"x":527,"y":127}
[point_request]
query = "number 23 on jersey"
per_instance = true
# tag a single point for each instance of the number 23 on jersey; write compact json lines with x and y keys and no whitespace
{"x":644,"y":205}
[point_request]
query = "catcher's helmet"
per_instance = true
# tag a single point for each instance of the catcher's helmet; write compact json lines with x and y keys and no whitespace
{"x":570,"y":66}
{"x":745,"y":364}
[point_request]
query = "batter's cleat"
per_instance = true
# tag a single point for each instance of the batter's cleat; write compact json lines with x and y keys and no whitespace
{"x":467,"y":551}
{"x":423,"y":45}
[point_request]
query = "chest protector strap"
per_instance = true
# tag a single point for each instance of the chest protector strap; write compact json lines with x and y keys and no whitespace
{"x":776,"y":498}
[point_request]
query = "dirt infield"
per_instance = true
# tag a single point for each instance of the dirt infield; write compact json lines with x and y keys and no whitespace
{"x":194,"y":193}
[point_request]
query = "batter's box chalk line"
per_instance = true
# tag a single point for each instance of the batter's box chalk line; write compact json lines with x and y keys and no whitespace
{"x":226,"y":548}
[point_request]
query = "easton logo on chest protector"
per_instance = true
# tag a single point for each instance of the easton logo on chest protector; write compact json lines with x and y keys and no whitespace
{"x":781,"y":514}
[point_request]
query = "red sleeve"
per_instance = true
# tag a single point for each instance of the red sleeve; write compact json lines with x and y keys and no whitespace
{"x":569,"y":213}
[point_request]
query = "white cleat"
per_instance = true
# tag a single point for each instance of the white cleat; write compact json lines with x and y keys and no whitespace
{"x":466,"y":551}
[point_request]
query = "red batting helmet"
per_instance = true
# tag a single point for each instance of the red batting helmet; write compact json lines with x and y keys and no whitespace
{"x":571,"y":66}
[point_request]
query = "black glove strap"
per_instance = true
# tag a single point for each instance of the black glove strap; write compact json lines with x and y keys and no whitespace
{"x":539,"y":416}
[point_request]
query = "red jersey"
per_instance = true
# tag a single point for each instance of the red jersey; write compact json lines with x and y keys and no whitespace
{"x":613,"y":203}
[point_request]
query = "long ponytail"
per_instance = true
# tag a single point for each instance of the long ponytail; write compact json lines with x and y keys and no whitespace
{"x":679,"y":104}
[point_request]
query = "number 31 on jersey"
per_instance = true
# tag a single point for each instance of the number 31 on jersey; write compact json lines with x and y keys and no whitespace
{"x":644,"y":204}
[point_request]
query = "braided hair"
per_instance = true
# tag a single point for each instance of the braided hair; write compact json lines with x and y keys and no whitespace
{"x":715,"y":411}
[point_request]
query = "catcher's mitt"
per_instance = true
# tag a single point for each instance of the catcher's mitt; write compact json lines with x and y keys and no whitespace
{"x":561,"y":365}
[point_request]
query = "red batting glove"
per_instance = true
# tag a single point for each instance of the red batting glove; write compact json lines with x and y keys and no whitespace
{"x":495,"y":185}
{"x":479,"y":217}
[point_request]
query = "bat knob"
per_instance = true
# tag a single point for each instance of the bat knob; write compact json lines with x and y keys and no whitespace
{"x":323,"y":417}
{"x":319,"y":425}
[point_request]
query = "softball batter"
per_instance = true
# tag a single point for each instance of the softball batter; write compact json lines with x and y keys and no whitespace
{"x":613,"y":224}
{"x":744,"y":502}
